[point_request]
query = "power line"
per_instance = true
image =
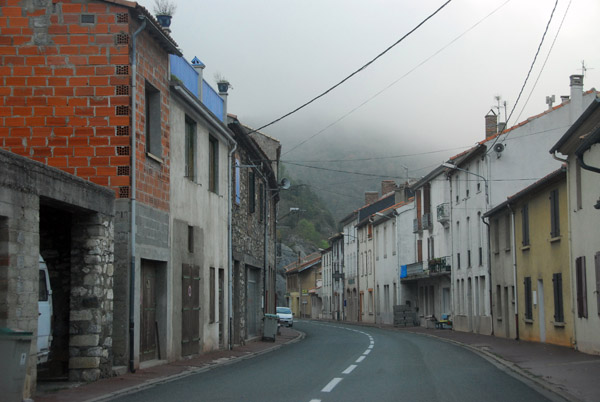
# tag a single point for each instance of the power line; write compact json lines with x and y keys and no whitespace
{"x":397,"y":80}
{"x":528,"y":73}
{"x":378,"y":157}
{"x":357,"y":71}
{"x":545,"y":61}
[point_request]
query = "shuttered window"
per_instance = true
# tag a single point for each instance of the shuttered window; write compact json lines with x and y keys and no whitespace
{"x":597,"y":263}
{"x":581,"y":287}
{"x":525,"y":224}
{"x":554,"y":216}
{"x":528,"y":299}
{"x":559,"y":315}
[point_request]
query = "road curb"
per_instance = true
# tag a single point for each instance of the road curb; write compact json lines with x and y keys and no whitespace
{"x":190,"y":371}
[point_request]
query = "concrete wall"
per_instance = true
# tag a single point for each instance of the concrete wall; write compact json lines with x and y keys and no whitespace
{"x":193,"y":204}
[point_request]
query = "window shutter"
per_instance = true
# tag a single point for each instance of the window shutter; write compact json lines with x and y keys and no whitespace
{"x":597,"y":263}
{"x":581,"y":287}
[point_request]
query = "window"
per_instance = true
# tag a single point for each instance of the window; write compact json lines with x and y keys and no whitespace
{"x":370,"y":231}
{"x":468,"y":242}
{"x":190,"y":149}
{"x":190,"y":239}
{"x":393,"y":238}
{"x":528,"y":299}
{"x":559,"y":315}
{"x":237,"y":181}
{"x":581,"y":283}
{"x":457,"y":189}
{"x":213,"y":295}
{"x":261,"y":201}
{"x":507,"y":230}
{"x":213,"y":164}
{"x":554,"y":216}
{"x":153,"y":120}
{"x":467,"y":184}
{"x":251,"y":192}
{"x":525,"y":224}
{"x":385,"y":242}
{"x":496,"y":236}
{"x":419,"y":250}
{"x":499,"y":302}
{"x":458,"y":260}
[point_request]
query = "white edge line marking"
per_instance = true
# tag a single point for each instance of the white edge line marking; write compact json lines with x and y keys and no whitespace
{"x":331,"y":385}
{"x":360,"y":359}
{"x":349,"y":369}
{"x":367,"y":352}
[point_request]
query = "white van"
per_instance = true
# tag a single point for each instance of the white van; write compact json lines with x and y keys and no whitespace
{"x":44,"y":337}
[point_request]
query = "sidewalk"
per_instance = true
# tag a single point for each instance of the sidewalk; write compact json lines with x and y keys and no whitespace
{"x":573,"y":375}
{"x":108,"y":388}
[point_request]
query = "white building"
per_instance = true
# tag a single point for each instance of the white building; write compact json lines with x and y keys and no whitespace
{"x":327,"y":289}
{"x":350,"y":268}
{"x":581,"y":145}
{"x":433,"y":244}
{"x":485,"y":176}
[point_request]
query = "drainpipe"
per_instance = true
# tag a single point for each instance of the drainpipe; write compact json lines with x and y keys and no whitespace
{"x":133,"y":147}
{"x":230,"y":243}
{"x":489,"y":270}
{"x":514,"y":262}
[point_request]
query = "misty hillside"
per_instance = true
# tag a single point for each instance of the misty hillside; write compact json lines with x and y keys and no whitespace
{"x":323,"y":163}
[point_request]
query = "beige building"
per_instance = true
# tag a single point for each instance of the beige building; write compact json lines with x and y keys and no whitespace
{"x":529,"y":245}
{"x":302,"y":278}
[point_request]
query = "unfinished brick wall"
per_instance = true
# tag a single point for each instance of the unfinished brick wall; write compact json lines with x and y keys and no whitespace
{"x":65,"y":91}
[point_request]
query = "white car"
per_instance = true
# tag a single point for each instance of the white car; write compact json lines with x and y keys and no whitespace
{"x":285,"y":316}
{"x":44,"y":338}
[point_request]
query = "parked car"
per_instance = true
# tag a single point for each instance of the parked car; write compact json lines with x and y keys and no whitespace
{"x":285,"y":316}
{"x":44,"y":333}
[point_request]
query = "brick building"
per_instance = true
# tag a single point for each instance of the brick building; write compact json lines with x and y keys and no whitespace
{"x":85,"y":89}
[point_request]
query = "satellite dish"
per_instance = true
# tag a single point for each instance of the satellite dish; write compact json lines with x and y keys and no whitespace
{"x":499,"y":148}
{"x":285,"y":184}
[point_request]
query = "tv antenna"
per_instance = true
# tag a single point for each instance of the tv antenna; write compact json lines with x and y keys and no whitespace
{"x":584,"y":68}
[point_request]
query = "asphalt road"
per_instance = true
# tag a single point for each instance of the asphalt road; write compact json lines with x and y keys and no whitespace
{"x":350,"y":363}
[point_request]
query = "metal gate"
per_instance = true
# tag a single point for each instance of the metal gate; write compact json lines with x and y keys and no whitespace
{"x":148,"y":313}
{"x":190,"y":309}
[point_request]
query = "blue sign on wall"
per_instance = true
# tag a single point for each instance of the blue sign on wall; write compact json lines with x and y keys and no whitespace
{"x":403,"y":273}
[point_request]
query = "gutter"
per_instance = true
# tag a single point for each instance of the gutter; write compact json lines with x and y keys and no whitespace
{"x":132,"y":255}
{"x":514,"y":263}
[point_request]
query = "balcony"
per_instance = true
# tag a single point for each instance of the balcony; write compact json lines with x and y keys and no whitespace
{"x":416,"y":225}
{"x":443,"y":214}
{"x":427,"y":221}
{"x":440,"y":265}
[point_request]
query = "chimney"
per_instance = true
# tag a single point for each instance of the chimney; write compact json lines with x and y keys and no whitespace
{"x":371,"y":197}
{"x":387,"y":186}
{"x":223,"y":86}
{"x":199,"y":67}
{"x":491,"y":124}
{"x":576,"y":107}
{"x":564,"y":98}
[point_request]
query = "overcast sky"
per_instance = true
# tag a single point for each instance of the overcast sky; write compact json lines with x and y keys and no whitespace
{"x":278,"y":54}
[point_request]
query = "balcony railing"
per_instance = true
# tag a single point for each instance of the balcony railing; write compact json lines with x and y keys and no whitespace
{"x":416,"y":225}
{"x":440,"y":264}
{"x":443,"y":213}
{"x":414,"y":269}
{"x":427,"y":221}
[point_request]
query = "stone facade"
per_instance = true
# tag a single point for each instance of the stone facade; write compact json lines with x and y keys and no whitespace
{"x":253,"y":231}
{"x":69,"y":221}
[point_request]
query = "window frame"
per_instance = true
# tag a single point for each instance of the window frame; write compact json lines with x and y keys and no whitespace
{"x":213,"y":164}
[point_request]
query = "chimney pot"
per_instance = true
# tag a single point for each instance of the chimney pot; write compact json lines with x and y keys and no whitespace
{"x":387,"y":186}
{"x":576,"y":105}
{"x":371,"y":197}
{"x":491,"y":124}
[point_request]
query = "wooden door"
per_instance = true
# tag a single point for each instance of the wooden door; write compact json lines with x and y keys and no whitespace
{"x":148,"y":313}
{"x":190,"y":310}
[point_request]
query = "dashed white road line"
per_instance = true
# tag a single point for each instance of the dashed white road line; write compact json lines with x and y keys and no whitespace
{"x":349,"y":369}
{"x":367,"y":352}
{"x":331,"y":384}
{"x":360,"y":359}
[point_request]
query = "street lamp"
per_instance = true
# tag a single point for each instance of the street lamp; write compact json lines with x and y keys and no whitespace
{"x":454,"y":167}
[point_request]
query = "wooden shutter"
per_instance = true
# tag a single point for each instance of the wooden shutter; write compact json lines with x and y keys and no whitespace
{"x":597,"y":263}
{"x":581,"y":287}
{"x":558,"y":297}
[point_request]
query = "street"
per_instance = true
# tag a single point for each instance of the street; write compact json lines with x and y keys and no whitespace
{"x":351,"y":363}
